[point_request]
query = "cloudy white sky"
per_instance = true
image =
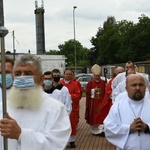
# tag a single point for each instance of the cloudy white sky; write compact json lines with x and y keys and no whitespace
{"x":89,"y":15}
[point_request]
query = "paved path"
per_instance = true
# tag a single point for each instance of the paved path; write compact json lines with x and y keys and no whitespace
{"x":85,"y":140}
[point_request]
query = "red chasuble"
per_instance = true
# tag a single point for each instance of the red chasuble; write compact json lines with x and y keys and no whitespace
{"x":93,"y":105}
{"x":75,"y":96}
{"x":79,"y":86}
{"x":107,"y":101}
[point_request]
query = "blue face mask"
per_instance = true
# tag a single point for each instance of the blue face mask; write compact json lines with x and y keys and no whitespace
{"x":9,"y":80}
{"x":47,"y":82}
{"x":24,"y":82}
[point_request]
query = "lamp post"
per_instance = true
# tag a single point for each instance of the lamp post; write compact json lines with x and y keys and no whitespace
{"x":75,"y":64}
{"x":13,"y":34}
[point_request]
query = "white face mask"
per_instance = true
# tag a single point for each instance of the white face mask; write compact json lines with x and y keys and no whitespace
{"x":24,"y":82}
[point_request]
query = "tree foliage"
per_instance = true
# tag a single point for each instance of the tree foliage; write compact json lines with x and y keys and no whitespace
{"x":115,"y":42}
{"x":121,"y":41}
{"x":68,"y":50}
{"x":53,"y":52}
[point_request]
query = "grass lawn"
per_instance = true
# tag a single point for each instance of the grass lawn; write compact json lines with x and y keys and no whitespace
{"x":83,"y":94}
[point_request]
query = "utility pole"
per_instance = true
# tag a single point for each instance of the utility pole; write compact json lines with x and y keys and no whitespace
{"x":75,"y":53}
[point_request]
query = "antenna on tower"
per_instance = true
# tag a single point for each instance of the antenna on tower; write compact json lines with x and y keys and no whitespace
{"x":42,"y":5}
{"x":36,"y":4}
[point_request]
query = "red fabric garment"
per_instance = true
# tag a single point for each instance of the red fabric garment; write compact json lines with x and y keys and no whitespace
{"x":75,"y":96}
{"x":79,"y":85}
{"x":93,"y":113}
{"x":107,"y":101}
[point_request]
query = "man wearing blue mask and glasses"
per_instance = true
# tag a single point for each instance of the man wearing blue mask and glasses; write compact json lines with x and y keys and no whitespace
{"x":9,"y":63}
{"x":35,"y":121}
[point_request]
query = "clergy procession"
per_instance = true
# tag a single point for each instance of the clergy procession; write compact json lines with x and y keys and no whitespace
{"x":127,"y":125}
{"x":34,"y":120}
{"x":43,"y":111}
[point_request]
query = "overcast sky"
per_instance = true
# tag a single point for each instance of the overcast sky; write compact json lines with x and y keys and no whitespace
{"x":89,"y":15}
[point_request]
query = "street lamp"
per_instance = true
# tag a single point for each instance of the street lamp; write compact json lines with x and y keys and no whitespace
{"x":75,"y":64}
{"x":13,"y":34}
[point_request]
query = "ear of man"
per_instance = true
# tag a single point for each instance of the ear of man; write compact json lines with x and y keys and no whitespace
{"x":41,"y":79}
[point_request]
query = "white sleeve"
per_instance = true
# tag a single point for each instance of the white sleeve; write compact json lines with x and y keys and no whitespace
{"x":115,"y":93}
{"x":118,"y":90}
{"x":115,"y":132}
{"x":119,"y":78}
{"x":66,"y":99}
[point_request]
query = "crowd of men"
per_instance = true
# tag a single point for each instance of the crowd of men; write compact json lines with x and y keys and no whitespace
{"x":118,"y":110}
{"x":127,"y":125}
{"x":43,"y":109}
{"x":34,"y":120}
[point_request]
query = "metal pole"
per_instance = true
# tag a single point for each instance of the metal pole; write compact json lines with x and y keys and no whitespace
{"x":75,"y":64}
{"x":3,"y":33}
{"x":13,"y":34}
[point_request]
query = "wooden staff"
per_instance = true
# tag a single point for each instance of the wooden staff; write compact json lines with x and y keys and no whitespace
{"x":3,"y":33}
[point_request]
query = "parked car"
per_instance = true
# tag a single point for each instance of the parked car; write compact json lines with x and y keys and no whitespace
{"x":84,"y":75}
{"x":86,"y":78}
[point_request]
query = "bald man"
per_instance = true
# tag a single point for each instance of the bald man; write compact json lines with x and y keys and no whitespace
{"x":121,"y":86}
{"x":128,"y":122}
{"x":122,"y":76}
{"x":118,"y":70}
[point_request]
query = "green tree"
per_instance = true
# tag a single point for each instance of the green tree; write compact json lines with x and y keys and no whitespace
{"x":82,"y":53}
{"x":53,"y":52}
{"x":124,"y":51}
{"x":141,"y":39}
{"x":95,"y":50}
{"x":121,"y":41}
{"x":104,"y":42}
{"x":135,"y":41}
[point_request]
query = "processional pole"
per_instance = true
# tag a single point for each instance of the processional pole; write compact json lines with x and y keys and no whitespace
{"x":3,"y":33}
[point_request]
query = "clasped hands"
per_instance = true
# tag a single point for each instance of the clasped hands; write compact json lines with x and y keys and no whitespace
{"x":138,"y":125}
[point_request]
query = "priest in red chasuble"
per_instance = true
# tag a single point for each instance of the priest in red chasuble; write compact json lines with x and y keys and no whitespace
{"x":95,"y":91}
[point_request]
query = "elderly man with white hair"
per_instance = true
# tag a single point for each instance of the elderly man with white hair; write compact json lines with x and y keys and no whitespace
{"x":35,"y":121}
